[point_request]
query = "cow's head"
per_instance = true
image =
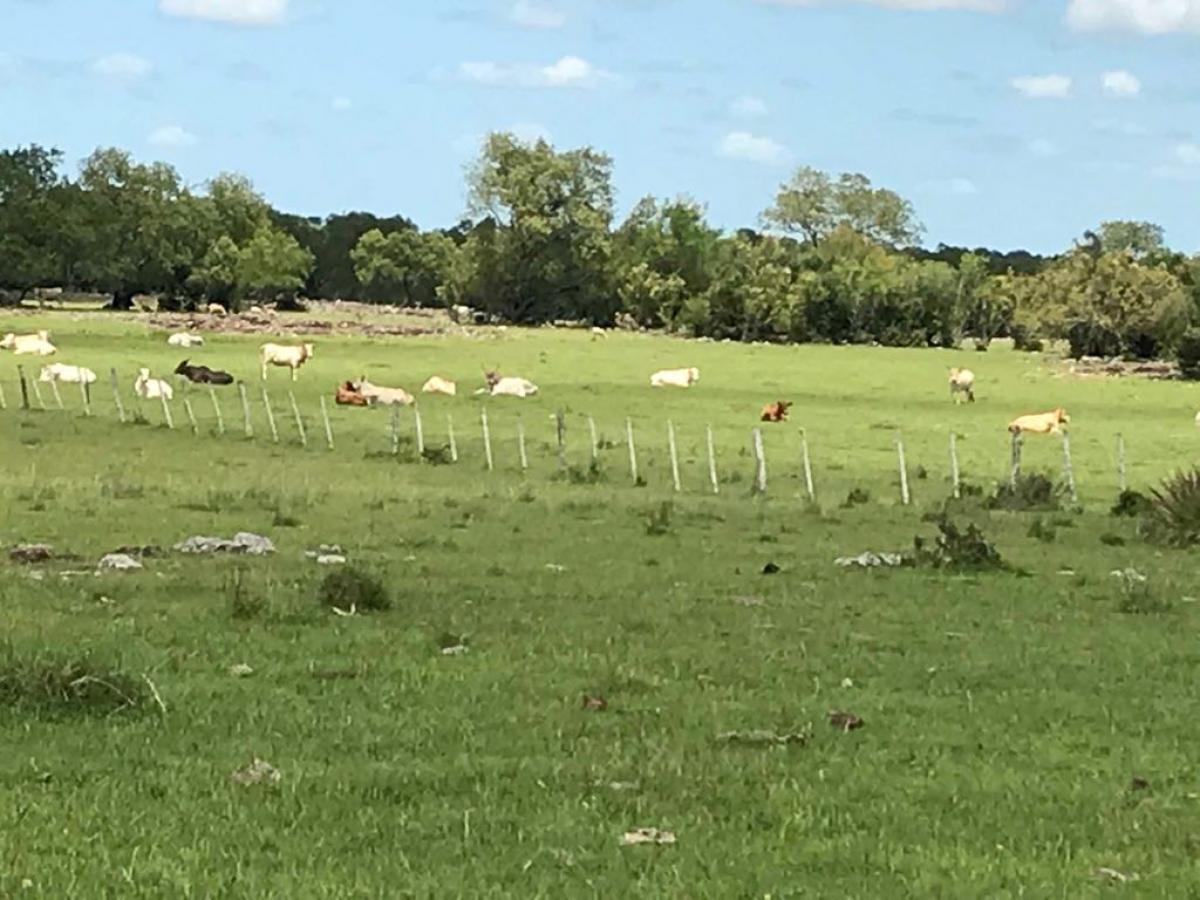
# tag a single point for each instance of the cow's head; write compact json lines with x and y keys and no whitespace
{"x":143,"y":373}
{"x":181,"y":368}
{"x":693,"y":375}
{"x":492,"y":378}
{"x":308,"y":351}
{"x":1061,"y":415}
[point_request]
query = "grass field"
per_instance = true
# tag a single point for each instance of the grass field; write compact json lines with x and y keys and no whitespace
{"x":1007,"y":714}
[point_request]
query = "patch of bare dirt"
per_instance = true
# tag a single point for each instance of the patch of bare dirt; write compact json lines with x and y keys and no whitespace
{"x":1098,"y":367}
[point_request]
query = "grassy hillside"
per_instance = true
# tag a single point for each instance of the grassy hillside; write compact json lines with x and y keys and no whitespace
{"x":1006,"y":714}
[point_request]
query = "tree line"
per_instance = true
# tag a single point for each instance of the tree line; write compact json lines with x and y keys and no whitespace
{"x":834,"y":258}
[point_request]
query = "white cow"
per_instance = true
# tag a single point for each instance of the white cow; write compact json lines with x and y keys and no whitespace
{"x":512,"y":387}
{"x":962,"y":381}
{"x":67,"y":374}
{"x":37,"y":344}
{"x":438,"y":385}
{"x":675,"y":377}
{"x":151,"y":388}
{"x":280,"y":355}
{"x":384,"y":395}
{"x":215,"y":309}
{"x":183,"y":339}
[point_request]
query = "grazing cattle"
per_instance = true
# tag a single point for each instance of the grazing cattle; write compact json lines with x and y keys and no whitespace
{"x":348,"y":394}
{"x":280,"y":355}
{"x":183,"y":339}
{"x":962,"y":382}
{"x":499,"y":386}
{"x":777,"y":411}
{"x":202,"y":374}
{"x":67,"y":374}
{"x":37,"y":344}
{"x":384,"y":395}
{"x":151,"y":388}
{"x":675,"y":377}
{"x":438,"y":385}
{"x":598,"y":332}
{"x":215,"y":309}
{"x":1042,"y":423}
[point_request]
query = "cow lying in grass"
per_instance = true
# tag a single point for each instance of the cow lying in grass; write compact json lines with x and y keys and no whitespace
{"x":202,"y":374}
{"x":183,"y":339}
{"x":386,"y":396}
{"x":777,"y":411}
{"x":1042,"y":423}
{"x":37,"y":344}
{"x":675,"y":377}
{"x":438,"y":385}
{"x":151,"y":388}
{"x":281,"y":355}
{"x":348,"y":394}
{"x":67,"y":374}
{"x":499,"y":386}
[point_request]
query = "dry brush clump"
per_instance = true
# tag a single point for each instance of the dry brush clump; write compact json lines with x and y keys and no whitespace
{"x":354,"y":589}
{"x":1028,"y":492}
{"x":55,"y":684}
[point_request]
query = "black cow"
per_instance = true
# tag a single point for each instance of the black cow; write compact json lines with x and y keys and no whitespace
{"x":202,"y":374}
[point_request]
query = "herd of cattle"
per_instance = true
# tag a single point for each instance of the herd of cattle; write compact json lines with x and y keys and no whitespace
{"x":362,"y":392}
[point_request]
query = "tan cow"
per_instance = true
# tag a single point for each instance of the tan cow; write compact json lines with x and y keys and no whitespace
{"x":1042,"y":423}
{"x":385,"y":396}
{"x":438,"y":385}
{"x":280,"y":355}
{"x":962,"y":382}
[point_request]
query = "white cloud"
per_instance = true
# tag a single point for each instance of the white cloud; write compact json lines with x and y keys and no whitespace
{"x":1144,"y":16}
{"x":234,"y":12}
{"x":1043,"y":86}
{"x":751,"y":148}
{"x":915,"y":5}
{"x":963,"y":187}
{"x":1120,"y":83}
{"x":748,"y":107}
{"x":341,"y":104}
{"x":1185,"y":164}
{"x":1043,"y":147}
{"x":122,"y":67}
{"x":570,"y":71}
{"x":174,"y":136}
{"x":531,"y":14}
{"x":1188,"y":154}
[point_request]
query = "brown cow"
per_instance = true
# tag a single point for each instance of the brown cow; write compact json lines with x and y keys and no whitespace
{"x":777,"y":411}
{"x":348,"y":394}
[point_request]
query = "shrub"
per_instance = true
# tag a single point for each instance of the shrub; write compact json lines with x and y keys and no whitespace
{"x":1042,"y":531}
{"x":658,"y":521}
{"x":69,"y":686}
{"x":1188,"y":354}
{"x":350,"y":587}
{"x":857,"y":497}
{"x":1131,"y":504}
{"x":1173,"y":517}
{"x":1031,"y":491}
{"x":958,"y":549}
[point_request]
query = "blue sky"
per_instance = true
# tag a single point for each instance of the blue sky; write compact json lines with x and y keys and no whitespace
{"x":1009,"y":123}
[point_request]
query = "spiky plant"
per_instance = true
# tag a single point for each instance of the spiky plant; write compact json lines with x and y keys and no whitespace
{"x":1174,"y":514}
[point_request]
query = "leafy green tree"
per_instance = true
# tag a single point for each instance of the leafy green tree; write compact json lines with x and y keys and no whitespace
{"x":547,"y":256}
{"x":813,"y":204}
{"x":408,"y":264}
{"x":30,"y":205}
{"x":1138,"y":239}
{"x":271,"y":264}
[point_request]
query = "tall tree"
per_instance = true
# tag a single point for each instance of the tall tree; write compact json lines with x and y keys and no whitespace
{"x":550,"y":248}
{"x":1138,"y":239}
{"x":30,"y":205}
{"x":812,"y":204}
{"x":406,"y":265}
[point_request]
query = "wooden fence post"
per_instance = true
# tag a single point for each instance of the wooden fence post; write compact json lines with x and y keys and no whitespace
{"x":712,"y":460}
{"x":760,"y":461}
{"x":57,"y":396}
{"x":37,"y":393}
{"x":1068,"y":469}
{"x":24,"y":387}
{"x":674,"y":455}
{"x":595,"y":443}
{"x":807,"y":461}
{"x":248,"y":426}
{"x":166,"y":411}
{"x":487,"y":440}
{"x":633,"y":465}
{"x":560,"y":431}
{"x":521,"y":445}
{"x":87,"y":398}
{"x":325,"y":419}
{"x":1121,"y":478}
{"x":187,"y":408}
{"x":450,"y":435}
{"x":299,"y":421}
{"x":212,"y":393}
{"x":116,"y":389}
{"x":270,"y":416}
{"x":904,"y":495}
{"x":955,"y":476}
{"x":394,"y":429}
{"x":420,"y":431}
{"x":1015,"y":470}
